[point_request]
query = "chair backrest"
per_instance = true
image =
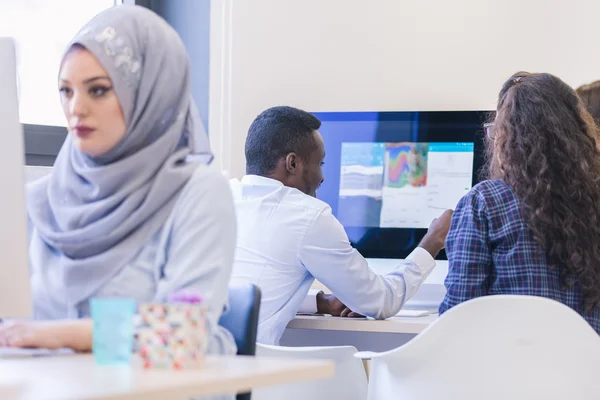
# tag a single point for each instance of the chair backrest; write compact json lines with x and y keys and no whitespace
{"x":494,"y":347}
{"x":348,"y":383}
{"x":241,"y":318}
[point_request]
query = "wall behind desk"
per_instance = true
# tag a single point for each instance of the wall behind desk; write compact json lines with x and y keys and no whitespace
{"x":336,"y":55}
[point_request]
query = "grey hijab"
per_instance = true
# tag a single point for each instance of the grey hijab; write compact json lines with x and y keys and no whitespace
{"x":97,"y":213}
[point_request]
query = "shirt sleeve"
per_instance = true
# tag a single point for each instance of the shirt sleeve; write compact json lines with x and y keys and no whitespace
{"x":469,"y":252}
{"x":309,"y":304}
{"x":200,"y":252}
{"x":327,"y":254}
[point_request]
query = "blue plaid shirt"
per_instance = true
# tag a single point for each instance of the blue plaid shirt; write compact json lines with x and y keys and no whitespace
{"x":492,"y":251}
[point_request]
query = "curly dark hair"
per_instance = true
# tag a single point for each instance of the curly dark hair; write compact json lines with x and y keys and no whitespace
{"x":590,"y":95}
{"x":544,"y":146}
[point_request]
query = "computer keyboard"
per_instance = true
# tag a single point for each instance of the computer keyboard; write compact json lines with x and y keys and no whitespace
{"x":11,"y":352}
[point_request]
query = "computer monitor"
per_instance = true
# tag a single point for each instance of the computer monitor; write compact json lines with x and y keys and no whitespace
{"x":389,"y":174}
{"x":15,"y":292}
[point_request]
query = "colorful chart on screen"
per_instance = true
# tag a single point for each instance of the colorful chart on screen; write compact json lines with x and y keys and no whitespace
{"x":407,"y":184}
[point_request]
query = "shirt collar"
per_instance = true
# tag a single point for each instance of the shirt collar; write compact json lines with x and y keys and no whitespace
{"x":257,"y":180}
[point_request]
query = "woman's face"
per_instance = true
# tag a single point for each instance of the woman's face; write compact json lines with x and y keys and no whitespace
{"x":93,"y":112}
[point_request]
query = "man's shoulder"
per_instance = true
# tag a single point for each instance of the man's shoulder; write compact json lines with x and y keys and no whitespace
{"x":283,"y":195}
{"x":296,"y":197}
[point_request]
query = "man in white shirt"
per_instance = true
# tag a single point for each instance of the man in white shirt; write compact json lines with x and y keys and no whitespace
{"x":287,"y":237}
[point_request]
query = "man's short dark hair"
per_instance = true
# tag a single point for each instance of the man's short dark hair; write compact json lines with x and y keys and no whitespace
{"x":277,"y":132}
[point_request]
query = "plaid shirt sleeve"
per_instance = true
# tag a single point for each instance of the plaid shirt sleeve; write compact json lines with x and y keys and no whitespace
{"x":469,"y":252}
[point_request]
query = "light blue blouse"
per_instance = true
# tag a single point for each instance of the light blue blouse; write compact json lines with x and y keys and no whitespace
{"x":193,"y":250}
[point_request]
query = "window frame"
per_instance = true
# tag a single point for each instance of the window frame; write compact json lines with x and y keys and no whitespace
{"x":43,"y":142}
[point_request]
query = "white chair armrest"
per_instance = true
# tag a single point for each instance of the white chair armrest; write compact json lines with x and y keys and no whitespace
{"x":365,"y":355}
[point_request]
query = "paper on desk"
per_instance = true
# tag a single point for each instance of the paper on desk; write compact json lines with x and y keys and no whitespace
{"x":413,"y":313}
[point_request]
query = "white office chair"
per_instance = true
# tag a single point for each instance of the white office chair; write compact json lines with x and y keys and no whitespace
{"x":348,"y":383}
{"x":494,"y":347}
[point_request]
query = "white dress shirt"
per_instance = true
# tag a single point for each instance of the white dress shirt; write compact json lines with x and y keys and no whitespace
{"x":286,"y":239}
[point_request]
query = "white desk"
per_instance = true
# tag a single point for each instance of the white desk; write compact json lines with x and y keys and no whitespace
{"x":412,"y":325}
{"x":369,"y":335}
{"x":364,"y":334}
{"x":430,"y":294}
{"x":78,"y":377}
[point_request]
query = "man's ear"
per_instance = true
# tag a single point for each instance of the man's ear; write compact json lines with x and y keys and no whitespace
{"x":291,"y":163}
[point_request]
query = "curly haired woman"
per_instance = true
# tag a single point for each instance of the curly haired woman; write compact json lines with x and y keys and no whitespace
{"x":534,"y":227}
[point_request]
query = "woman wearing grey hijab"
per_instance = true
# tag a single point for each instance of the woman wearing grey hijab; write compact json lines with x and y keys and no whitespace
{"x":131,"y":208}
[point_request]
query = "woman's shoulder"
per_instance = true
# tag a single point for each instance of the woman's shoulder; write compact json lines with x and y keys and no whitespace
{"x":207,"y":191}
{"x":206,"y":182}
{"x":492,"y":196}
{"x":208,"y":173}
{"x":491,"y":187}
{"x":493,"y":192}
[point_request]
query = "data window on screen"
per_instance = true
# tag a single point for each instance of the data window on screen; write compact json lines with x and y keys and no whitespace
{"x":405,"y":184}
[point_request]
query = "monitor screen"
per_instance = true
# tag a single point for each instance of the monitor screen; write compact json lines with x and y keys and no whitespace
{"x":389,"y":174}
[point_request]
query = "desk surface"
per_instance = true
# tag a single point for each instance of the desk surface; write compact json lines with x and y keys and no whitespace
{"x":78,"y":377}
{"x":412,"y":325}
